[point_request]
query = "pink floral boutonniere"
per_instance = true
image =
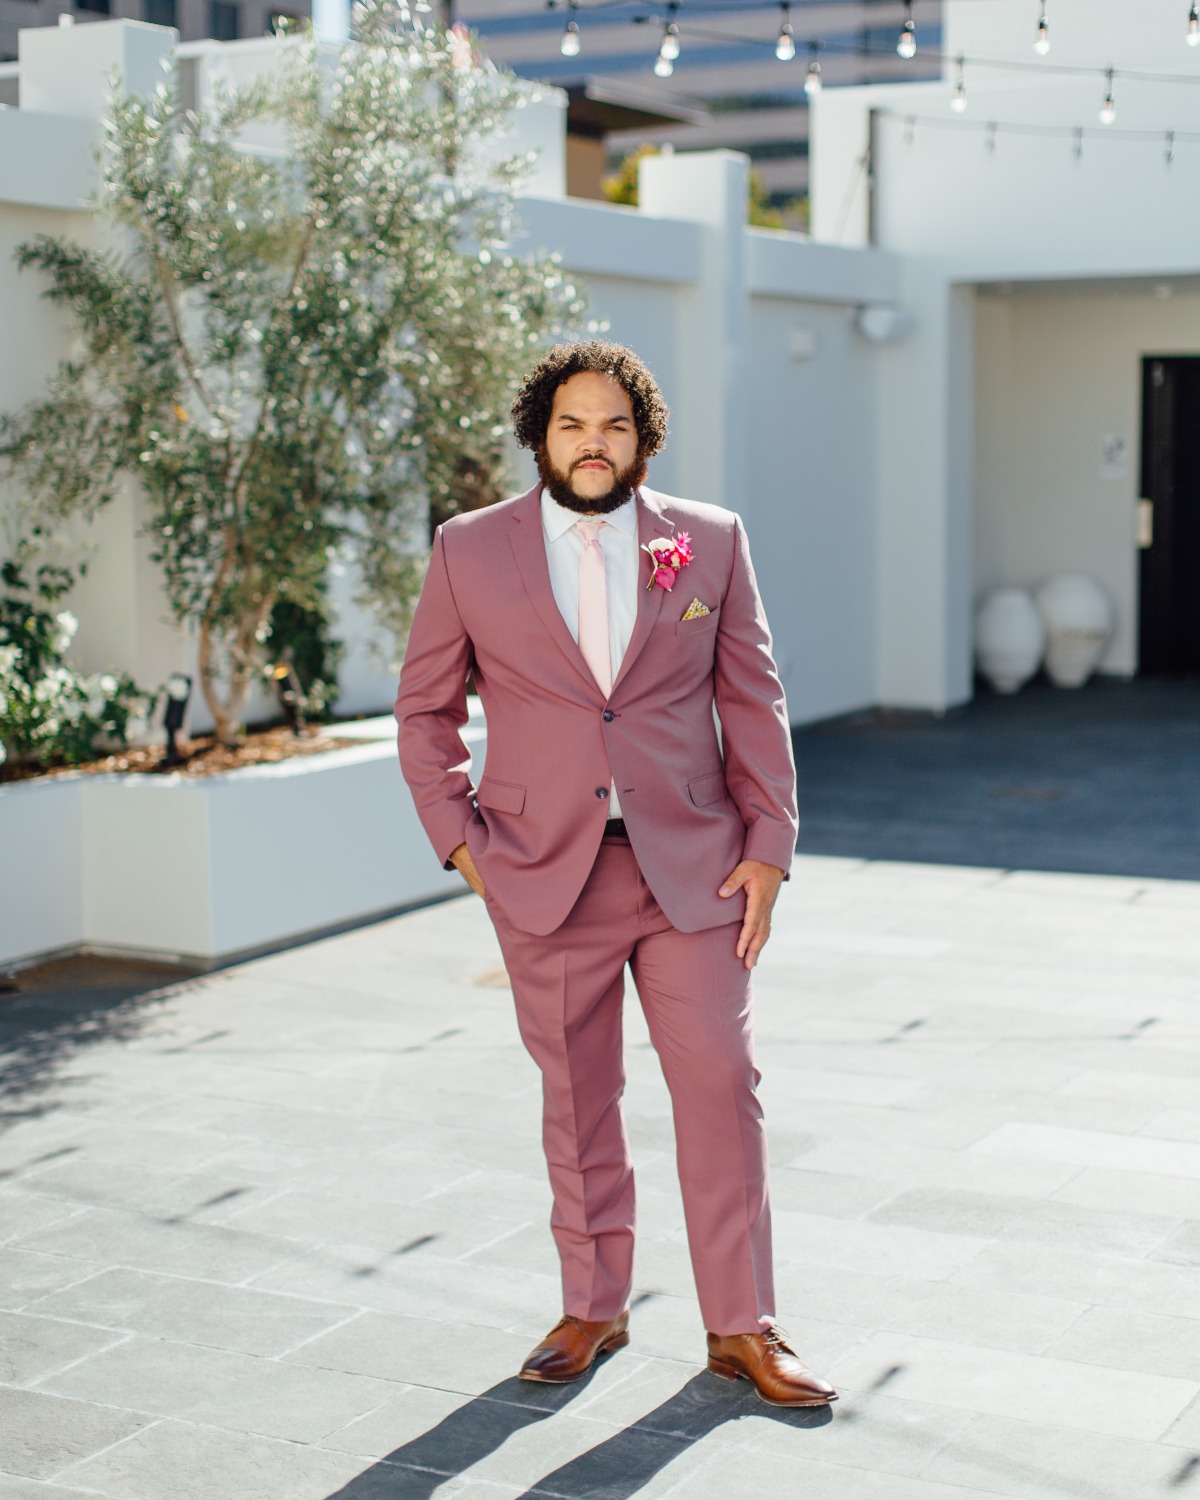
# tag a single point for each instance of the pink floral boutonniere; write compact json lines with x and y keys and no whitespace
{"x":667,"y":555}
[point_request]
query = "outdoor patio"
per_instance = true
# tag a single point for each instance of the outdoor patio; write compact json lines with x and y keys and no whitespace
{"x":280,"y":1230}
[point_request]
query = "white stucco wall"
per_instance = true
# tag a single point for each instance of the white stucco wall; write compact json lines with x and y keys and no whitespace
{"x":1057,"y":370}
{"x":1030,"y":206}
{"x":33,"y":335}
{"x":810,"y":500}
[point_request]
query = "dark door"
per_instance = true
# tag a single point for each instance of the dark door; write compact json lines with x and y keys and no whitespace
{"x":1169,"y":519}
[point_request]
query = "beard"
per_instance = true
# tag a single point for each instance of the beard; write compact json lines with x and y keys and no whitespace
{"x":558,"y":482}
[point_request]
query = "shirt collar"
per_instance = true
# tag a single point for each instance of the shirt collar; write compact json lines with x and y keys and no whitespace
{"x":557,"y":520}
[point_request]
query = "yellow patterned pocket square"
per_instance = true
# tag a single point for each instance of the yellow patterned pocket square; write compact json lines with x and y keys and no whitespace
{"x":694,"y":610}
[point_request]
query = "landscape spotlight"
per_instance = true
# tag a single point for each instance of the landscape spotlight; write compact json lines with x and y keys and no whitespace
{"x":290,"y":693}
{"x":179,"y":690}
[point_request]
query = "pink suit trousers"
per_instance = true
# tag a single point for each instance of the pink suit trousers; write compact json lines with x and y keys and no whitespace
{"x":697,"y":998}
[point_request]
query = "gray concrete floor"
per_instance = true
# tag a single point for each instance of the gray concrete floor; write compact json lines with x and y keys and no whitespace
{"x":279,"y":1232}
{"x":1104,"y":780}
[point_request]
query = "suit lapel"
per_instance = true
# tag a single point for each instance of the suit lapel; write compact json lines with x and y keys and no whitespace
{"x":529,"y":548}
{"x":651,"y":523}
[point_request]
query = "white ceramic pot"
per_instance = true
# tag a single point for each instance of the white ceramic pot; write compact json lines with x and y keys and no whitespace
{"x":1079,"y":617}
{"x":1009,"y":638}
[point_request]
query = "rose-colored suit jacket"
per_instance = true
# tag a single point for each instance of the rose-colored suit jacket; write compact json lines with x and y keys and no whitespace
{"x":535,"y":821}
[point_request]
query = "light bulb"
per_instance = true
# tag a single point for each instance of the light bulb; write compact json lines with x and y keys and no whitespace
{"x":959,"y":102}
{"x":670,"y":42}
{"x":907,"y":45}
{"x":1193,"y":31}
{"x":785,"y":47}
{"x":1042,"y":45}
{"x":812,"y":79}
{"x":663,"y":66}
{"x":1108,"y":110}
{"x":571,"y":43}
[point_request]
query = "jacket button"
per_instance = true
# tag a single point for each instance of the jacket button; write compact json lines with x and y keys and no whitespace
{"x":609,"y":716}
{"x":602,"y":792}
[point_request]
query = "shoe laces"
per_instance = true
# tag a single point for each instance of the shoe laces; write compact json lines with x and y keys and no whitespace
{"x":775,"y":1338}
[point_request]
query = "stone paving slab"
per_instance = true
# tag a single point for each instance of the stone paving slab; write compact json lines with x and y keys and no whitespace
{"x":281,"y":1230}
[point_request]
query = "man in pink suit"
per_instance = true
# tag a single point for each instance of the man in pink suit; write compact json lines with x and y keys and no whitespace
{"x":602,"y":623}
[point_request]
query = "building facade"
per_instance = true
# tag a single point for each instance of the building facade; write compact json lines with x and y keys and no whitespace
{"x":223,"y":20}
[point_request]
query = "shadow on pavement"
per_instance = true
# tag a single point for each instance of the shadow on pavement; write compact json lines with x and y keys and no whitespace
{"x":1098,"y":780}
{"x":614,"y":1469}
{"x":51,"y":1011}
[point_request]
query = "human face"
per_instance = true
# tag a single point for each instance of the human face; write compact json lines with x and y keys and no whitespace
{"x":590,"y":461}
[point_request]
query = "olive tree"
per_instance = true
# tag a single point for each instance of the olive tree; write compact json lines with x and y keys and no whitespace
{"x":296,"y":351}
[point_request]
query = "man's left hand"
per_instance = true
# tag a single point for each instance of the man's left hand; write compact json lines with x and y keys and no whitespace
{"x":761,"y":884}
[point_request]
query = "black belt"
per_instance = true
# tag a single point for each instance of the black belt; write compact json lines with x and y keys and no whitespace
{"x":615,"y":829}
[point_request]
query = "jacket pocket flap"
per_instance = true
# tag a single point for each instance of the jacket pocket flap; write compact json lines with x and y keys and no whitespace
{"x":501,"y":796}
{"x":707,"y":789}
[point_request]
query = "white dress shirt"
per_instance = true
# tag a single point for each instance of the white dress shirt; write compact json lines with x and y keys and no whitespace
{"x":564,"y":548}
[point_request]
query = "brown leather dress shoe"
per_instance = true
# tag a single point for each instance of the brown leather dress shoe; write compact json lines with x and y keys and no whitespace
{"x":570,"y":1348}
{"x":770,"y":1366}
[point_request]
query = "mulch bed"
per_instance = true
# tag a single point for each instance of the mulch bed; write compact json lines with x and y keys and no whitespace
{"x":205,"y":757}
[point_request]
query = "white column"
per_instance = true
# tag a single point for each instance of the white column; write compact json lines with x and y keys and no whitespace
{"x":65,"y":70}
{"x":331,"y":20}
{"x":924,"y":444}
{"x":708,"y":423}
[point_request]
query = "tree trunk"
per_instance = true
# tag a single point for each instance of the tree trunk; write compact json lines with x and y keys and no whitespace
{"x":227,"y":711}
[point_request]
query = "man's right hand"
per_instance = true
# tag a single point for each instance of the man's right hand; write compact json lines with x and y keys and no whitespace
{"x":465,"y":865}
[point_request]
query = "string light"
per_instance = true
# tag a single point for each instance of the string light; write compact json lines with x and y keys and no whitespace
{"x":1042,"y":45}
{"x":1167,"y":141}
{"x":1193,"y":31}
{"x":959,"y":103}
{"x":1108,"y":110}
{"x":571,"y":41}
{"x":669,"y":46}
{"x":812,"y":79}
{"x":785,"y":47}
{"x":906,"y":47}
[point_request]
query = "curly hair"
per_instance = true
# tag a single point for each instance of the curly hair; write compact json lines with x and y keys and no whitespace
{"x":531,"y":409}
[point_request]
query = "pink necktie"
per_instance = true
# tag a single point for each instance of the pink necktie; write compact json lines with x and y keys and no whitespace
{"x":593,"y":606}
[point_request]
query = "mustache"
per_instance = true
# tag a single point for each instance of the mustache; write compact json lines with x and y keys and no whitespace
{"x":592,"y":458}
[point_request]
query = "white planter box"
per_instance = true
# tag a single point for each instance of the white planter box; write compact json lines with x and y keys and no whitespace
{"x":216,"y":866}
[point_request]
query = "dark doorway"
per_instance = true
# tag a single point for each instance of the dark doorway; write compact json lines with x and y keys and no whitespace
{"x":1169,"y":518}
